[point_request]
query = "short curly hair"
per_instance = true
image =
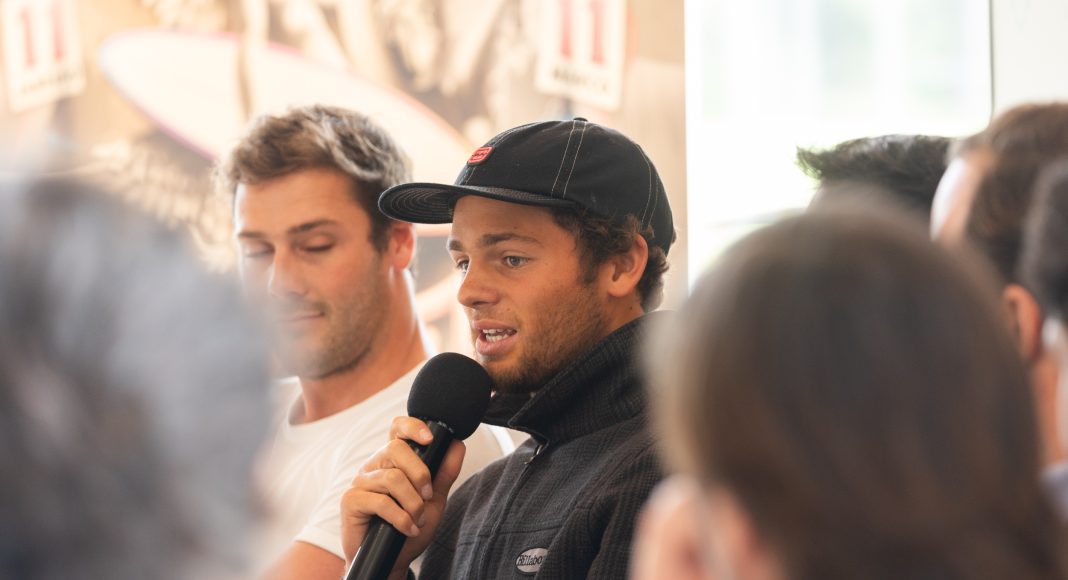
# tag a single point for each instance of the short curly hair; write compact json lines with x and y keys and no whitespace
{"x":600,"y":238}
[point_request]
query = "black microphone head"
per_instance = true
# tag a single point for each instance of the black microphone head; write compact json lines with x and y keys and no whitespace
{"x":453,"y":389}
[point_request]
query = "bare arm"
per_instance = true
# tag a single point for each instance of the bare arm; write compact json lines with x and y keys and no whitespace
{"x":306,"y":562}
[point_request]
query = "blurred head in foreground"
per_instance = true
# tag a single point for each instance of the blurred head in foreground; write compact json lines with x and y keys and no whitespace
{"x":842,"y":401}
{"x":1045,"y":269}
{"x":982,"y":202}
{"x":131,"y":395}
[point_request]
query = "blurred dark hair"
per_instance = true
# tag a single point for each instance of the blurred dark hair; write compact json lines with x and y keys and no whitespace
{"x":855,"y":387}
{"x":1019,"y":143}
{"x":1031,"y":128}
{"x":1003,"y":197}
{"x":1044,"y":263}
{"x":904,"y":168}
{"x":132,"y":395}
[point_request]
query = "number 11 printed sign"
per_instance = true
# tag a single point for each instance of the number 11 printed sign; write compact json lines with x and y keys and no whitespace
{"x":42,"y":52}
{"x":582,"y":49}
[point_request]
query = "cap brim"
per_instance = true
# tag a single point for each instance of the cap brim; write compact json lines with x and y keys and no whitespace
{"x":432,"y":203}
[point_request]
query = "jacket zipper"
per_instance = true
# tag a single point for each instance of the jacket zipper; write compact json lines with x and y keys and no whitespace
{"x":537,"y":452}
{"x":507,"y":507}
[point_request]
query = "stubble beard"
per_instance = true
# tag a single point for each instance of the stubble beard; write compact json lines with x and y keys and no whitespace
{"x":570,"y":328}
{"x":334,"y":358}
{"x":352,"y":335}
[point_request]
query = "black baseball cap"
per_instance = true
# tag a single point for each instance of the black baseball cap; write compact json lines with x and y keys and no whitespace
{"x":549,"y":164}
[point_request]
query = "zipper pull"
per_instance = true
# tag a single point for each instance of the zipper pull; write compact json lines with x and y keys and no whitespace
{"x":537,"y":452}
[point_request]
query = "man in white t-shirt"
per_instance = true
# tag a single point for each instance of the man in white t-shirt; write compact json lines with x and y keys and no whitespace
{"x":333,"y":273}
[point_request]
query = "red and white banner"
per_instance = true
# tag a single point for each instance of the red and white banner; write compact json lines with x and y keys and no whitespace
{"x":42,"y":52}
{"x":582,"y":49}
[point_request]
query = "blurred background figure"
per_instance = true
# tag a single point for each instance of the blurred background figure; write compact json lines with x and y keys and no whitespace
{"x":982,"y":202}
{"x":1045,"y":268}
{"x":132,"y":397}
{"x":904,"y":169}
{"x":842,"y":400}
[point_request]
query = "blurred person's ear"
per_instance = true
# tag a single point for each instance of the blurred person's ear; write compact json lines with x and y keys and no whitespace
{"x":1027,"y":325}
{"x":738,"y":551}
{"x":668,"y":540}
{"x":1025,"y":317}
{"x":689,"y":533}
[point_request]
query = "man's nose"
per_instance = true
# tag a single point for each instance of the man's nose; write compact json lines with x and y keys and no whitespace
{"x":476,"y":288}
{"x":284,"y":277}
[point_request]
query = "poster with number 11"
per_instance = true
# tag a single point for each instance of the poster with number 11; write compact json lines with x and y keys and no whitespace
{"x":42,"y":52}
{"x":582,"y":50}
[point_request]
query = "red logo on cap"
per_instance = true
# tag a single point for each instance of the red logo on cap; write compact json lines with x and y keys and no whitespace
{"x":479,"y":155}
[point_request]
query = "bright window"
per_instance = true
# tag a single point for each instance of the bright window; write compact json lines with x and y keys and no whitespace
{"x":767,"y":76}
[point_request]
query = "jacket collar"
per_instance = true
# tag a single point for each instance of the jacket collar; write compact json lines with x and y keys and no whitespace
{"x":597,"y":390}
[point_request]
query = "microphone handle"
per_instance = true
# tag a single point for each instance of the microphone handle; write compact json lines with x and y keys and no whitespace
{"x":382,"y":544}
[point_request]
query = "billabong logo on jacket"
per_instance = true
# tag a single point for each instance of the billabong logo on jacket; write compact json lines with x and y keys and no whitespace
{"x":530,"y":561}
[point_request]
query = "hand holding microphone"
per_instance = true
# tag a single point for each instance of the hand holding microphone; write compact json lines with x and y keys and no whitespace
{"x":395,"y":503}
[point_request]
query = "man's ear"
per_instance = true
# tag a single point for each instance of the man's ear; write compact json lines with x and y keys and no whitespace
{"x":1026,"y":319}
{"x":625,"y":270}
{"x":401,"y":247}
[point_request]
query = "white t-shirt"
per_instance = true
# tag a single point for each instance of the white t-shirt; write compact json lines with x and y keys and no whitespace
{"x":310,"y":466}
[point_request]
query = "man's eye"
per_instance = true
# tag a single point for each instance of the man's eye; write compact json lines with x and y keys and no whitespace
{"x":253,"y":253}
{"x":515,"y":261}
{"x":462,"y":265}
{"x":318,"y":249}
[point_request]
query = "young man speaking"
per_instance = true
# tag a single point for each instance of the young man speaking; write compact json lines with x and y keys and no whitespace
{"x":560,"y":231}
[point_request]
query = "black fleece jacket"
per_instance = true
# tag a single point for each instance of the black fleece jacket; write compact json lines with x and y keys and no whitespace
{"x":564,"y":504}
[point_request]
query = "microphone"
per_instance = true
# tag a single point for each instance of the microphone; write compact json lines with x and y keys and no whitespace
{"x":450,"y":394}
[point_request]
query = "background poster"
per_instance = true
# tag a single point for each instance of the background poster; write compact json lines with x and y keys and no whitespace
{"x":144,"y":94}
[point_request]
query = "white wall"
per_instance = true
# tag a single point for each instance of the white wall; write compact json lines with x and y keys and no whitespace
{"x":1030,"y":51}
